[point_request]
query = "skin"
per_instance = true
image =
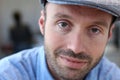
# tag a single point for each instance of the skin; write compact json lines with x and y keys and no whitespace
{"x":75,"y":39}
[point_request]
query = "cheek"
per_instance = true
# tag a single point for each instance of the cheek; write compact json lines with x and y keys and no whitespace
{"x":98,"y":47}
{"x":53,"y":40}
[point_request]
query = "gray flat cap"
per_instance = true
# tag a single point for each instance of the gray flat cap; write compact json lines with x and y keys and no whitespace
{"x":109,"y":6}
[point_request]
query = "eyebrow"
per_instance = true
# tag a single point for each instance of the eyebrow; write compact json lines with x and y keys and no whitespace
{"x":61,"y":15}
{"x":101,"y":23}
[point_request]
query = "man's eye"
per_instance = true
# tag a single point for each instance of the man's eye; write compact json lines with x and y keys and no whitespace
{"x":63,"y":24}
{"x":94,"y":30}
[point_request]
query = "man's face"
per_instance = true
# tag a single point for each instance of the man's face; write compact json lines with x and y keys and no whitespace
{"x":75,"y":38}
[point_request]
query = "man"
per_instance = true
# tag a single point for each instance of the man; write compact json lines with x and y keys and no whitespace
{"x":20,"y":34}
{"x":75,"y":33}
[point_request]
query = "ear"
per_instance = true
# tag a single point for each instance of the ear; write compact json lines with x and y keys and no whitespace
{"x":111,"y":31}
{"x":42,"y":22}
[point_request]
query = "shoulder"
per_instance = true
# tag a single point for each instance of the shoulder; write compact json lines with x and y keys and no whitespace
{"x":109,"y":70}
{"x":105,"y":70}
{"x":20,"y":66}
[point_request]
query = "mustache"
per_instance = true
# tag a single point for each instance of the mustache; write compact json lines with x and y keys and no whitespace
{"x":70,"y":53}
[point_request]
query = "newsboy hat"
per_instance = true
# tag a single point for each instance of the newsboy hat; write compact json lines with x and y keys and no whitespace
{"x":110,"y":6}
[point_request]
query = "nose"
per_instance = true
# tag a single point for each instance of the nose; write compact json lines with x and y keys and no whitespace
{"x":76,"y":43}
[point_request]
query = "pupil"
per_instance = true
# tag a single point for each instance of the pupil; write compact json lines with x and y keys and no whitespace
{"x":94,"y":30}
{"x":63,"y":24}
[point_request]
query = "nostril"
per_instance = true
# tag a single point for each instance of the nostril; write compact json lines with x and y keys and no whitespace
{"x":76,"y":47}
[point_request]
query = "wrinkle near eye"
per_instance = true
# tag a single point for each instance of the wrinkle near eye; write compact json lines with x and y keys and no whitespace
{"x":95,"y":30}
{"x":63,"y":26}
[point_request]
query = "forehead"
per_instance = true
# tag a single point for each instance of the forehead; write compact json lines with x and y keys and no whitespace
{"x":75,"y":12}
{"x":75,"y":9}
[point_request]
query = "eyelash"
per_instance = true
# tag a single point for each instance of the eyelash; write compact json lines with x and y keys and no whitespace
{"x":94,"y":30}
{"x":64,"y":26}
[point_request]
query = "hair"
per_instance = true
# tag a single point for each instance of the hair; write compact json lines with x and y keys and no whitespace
{"x":113,"y":20}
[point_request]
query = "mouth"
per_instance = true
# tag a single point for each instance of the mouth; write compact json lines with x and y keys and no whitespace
{"x":72,"y":63}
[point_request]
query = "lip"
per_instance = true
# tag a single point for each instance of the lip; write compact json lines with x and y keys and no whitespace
{"x":71,"y":62}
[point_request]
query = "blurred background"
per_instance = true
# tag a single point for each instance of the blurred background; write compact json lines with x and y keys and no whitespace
{"x":19,"y":29}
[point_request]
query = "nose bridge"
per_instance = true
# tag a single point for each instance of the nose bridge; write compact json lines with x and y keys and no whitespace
{"x":76,"y":42}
